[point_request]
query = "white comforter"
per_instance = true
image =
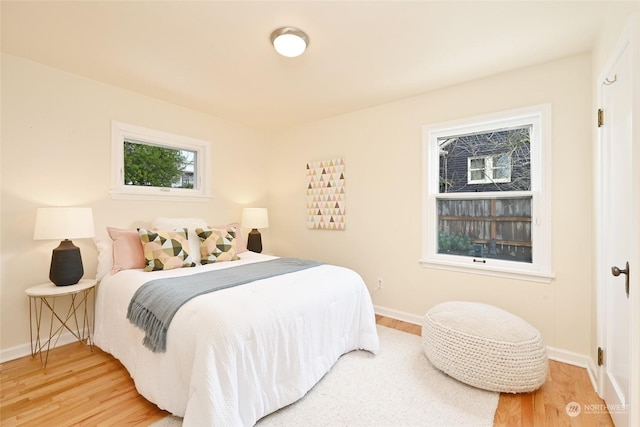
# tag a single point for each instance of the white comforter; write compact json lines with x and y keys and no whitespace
{"x":236,"y":355}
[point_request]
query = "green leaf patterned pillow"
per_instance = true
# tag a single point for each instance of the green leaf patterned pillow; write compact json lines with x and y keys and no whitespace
{"x":217,"y":244}
{"x":165,"y":250}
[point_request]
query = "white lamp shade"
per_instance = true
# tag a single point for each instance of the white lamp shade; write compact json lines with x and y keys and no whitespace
{"x":63,"y":223}
{"x":255,"y":218}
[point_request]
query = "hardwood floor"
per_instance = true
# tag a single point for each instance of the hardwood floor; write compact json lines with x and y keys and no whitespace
{"x":547,"y":405}
{"x":79,"y":387}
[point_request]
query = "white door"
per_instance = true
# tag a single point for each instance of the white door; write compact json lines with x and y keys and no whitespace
{"x":616,"y":150}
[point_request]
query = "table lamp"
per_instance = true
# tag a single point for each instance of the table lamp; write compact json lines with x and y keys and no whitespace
{"x":64,"y":223}
{"x":255,"y":218}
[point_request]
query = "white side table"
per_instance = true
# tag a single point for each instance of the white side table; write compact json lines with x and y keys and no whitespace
{"x":45,"y":295}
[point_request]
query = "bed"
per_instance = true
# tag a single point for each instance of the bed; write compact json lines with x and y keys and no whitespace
{"x":236,"y":355}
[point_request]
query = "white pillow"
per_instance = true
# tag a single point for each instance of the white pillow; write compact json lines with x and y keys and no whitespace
{"x":105,"y":256}
{"x":165,"y":223}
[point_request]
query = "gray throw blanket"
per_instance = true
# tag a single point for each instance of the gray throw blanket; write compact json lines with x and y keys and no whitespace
{"x":156,"y":302}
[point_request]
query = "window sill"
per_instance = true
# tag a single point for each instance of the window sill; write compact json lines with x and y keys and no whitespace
{"x":160,"y":196}
{"x":529,"y":276}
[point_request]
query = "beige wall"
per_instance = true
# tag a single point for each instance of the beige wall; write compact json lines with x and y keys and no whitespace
{"x":56,"y":150}
{"x":382,"y":151}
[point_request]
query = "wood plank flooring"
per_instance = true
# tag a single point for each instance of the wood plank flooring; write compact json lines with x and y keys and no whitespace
{"x":547,"y":405}
{"x":83,"y":388}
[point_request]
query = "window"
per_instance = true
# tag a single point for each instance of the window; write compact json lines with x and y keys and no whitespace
{"x":486,"y":201}
{"x":489,"y":169}
{"x":149,"y":164}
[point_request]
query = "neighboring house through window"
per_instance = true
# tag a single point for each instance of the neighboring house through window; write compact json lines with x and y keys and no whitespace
{"x":486,"y":202}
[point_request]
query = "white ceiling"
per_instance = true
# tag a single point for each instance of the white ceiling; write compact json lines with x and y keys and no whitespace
{"x":215,"y":56}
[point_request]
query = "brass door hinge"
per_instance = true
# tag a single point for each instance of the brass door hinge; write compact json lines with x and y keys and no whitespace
{"x":600,"y":356}
{"x":600,"y":117}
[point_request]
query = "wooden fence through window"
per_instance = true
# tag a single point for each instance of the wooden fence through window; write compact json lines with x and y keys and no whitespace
{"x":501,"y":226}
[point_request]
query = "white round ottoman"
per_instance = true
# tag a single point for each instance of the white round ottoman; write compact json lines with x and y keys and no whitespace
{"x":484,"y":346}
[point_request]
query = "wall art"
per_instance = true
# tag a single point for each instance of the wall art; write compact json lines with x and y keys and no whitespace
{"x":326,"y":195}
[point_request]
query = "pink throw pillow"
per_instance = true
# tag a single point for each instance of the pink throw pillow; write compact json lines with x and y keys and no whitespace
{"x":127,"y":249}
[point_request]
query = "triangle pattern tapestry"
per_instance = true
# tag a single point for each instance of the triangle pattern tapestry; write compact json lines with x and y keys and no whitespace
{"x":326,"y":195}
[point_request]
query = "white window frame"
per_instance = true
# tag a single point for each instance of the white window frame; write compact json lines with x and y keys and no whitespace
{"x":124,"y":131}
{"x":487,"y":169}
{"x":540,"y":269}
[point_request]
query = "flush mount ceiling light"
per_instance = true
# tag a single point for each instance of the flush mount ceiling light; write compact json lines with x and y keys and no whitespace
{"x":289,"y":41}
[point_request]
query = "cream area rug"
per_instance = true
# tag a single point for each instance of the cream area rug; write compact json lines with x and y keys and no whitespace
{"x":396,"y":387}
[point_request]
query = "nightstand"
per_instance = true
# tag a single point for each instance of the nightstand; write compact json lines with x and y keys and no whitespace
{"x":45,"y":295}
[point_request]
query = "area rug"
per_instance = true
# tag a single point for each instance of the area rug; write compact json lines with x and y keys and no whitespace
{"x":396,"y":387}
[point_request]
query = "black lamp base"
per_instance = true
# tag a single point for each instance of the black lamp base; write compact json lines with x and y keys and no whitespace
{"x":254,"y":241}
{"x":66,"y":264}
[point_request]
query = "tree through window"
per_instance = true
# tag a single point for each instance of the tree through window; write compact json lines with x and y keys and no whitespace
{"x":157,"y":166}
{"x":154,"y":165}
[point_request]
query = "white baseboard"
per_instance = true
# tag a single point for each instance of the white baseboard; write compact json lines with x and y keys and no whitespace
{"x":576,"y":359}
{"x":554,"y":353}
{"x":25,"y":349}
{"x":398,"y":315}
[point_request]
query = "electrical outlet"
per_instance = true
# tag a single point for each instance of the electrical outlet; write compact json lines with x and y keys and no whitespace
{"x":380,"y":283}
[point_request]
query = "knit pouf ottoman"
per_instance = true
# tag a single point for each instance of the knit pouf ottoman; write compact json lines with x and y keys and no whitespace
{"x":485,"y":347}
